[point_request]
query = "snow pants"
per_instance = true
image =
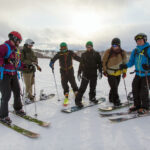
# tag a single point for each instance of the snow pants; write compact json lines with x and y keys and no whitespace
{"x":114,"y":83}
{"x":8,"y":84}
{"x":140,"y":92}
{"x":68,"y":76}
{"x":84,"y":83}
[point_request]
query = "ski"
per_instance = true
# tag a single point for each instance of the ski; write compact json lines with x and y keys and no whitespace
{"x":47,"y":97}
{"x":89,"y":104}
{"x":111,"y":108}
{"x":133,"y":116}
{"x":21,"y":130}
{"x":29,"y":118}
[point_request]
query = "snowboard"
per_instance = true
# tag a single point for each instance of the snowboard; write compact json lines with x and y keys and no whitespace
{"x":111,"y":108}
{"x":86,"y":104}
{"x":29,"y":118}
{"x":21,"y":130}
{"x":134,"y":116}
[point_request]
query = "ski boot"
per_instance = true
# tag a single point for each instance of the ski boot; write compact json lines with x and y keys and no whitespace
{"x":66,"y":100}
{"x":6,"y":120}
{"x":20,"y":112}
{"x":28,"y":101}
{"x":142,"y":111}
{"x":133,"y":109}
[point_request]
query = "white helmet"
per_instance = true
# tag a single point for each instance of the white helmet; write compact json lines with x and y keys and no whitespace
{"x":29,"y":42}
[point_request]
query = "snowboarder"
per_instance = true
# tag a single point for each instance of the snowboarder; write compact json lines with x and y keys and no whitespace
{"x":90,"y":63}
{"x":112,"y":59}
{"x":29,"y":59}
{"x":140,"y":58}
{"x":65,"y":57}
{"x":9,"y":64}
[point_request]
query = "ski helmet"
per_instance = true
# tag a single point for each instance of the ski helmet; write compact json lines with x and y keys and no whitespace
{"x":116,"y":41}
{"x":29,"y":42}
{"x":15,"y":36}
{"x":63,"y":44}
{"x":141,"y":36}
{"x":89,"y":43}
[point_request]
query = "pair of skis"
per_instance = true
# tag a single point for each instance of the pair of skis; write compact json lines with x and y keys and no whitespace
{"x":23,"y":131}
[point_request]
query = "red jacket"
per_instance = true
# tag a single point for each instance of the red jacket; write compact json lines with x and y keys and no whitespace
{"x":14,"y":55}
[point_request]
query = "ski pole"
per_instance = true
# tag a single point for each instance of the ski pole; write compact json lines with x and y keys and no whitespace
{"x":55,"y":84}
{"x":35,"y":99}
{"x":126,"y":91}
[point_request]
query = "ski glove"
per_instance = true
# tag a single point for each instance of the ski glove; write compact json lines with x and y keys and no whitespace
{"x":39,"y":68}
{"x":51,"y":65}
{"x":123,"y":66}
{"x":146,"y":67}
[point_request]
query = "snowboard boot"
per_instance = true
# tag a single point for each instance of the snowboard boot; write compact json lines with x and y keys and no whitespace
{"x":142,"y":111}
{"x":20,"y":112}
{"x":75,"y":93}
{"x":117,"y":104}
{"x":66,"y":100}
{"x":94,"y":100}
{"x":79,"y":105}
{"x":6,"y":120}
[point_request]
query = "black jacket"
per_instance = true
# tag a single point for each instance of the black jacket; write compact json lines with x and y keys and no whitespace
{"x":65,"y":59}
{"x":90,"y":62}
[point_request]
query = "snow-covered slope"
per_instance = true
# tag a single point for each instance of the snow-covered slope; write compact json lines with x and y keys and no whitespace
{"x":82,"y":130}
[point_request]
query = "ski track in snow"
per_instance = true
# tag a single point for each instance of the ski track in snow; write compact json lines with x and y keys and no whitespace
{"x":82,"y":130}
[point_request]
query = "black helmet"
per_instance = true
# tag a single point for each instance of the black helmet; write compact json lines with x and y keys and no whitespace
{"x":141,"y":36}
{"x":116,"y":41}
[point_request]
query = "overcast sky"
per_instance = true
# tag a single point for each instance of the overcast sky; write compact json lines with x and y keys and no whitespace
{"x":49,"y":22}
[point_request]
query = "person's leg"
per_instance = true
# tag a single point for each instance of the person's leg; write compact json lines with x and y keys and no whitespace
{"x":136,"y":91}
{"x":15,"y":86}
{"x":81,"y":91}
{"x":5,"y":89}
{"x":92,"y":93}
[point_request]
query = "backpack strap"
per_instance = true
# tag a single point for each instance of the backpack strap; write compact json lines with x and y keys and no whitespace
{"x":8,"y":52}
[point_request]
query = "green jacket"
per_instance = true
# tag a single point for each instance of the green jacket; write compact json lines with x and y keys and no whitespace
{"x":27,"y":58}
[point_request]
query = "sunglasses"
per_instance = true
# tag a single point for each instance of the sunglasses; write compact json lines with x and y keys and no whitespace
{"x":114,"y":45}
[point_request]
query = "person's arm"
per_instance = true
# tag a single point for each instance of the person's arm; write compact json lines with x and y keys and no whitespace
{"x":99,"y":62}
{"x":3,"y":52}
{"x":76,"y":57}
{"x":124,"y":61}
{"x":131,"y":60}
{"x":104,"y":61}
{"x":53,"y":60}
{"x":81,"y":66}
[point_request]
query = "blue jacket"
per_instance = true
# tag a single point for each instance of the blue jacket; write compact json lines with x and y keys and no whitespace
{"x":139,"y":60}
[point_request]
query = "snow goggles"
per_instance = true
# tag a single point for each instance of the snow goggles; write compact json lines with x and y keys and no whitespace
{"x":138,"y":37}
{"x":114,"y":45}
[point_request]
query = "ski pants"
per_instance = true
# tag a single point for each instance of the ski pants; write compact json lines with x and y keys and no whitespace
{"x":8,"y":84}
{"x":114,"y":83}
{"x":141,"y":92}
{"x":68,"y":76}
{"x":84,"y":83}
{"x":29,"y":81}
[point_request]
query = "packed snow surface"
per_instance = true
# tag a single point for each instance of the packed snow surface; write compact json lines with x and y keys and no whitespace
{"x":81,"y":130}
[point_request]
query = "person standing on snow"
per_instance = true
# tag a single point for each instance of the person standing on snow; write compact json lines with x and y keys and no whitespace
{"x":9,"y":64}
{"x":112,"y":59}
{"x":65,"y":57}
{"x":140,"y":58}
{"x":90,"y":63}
{"x":29,"y":58}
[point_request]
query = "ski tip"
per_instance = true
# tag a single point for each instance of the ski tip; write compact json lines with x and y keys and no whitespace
{"x":45,"y":124}
{"x":35,"y":135}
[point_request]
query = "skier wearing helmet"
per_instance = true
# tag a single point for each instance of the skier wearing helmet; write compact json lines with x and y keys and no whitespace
{"x":90,"y":63}
{"x":29,"y":59}
{"x":9,"y":64}
{"x":65,"y":57}
{"x":140,"y":58}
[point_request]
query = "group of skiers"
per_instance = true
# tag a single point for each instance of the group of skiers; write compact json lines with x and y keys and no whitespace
{"x":113,"y":65}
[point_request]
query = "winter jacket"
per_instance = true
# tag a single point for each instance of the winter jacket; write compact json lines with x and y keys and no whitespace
{"x":137,"y":58}
{"x":90,"y":62}
{"x":112,"y":61}
{"x":65,"y":59}
{"x":28,"y":57}
{"x":9,"y":67}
